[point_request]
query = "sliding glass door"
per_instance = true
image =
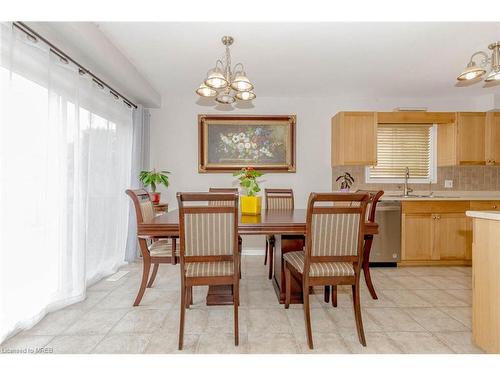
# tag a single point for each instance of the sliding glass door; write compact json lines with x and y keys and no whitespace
{"x":65,"y":162}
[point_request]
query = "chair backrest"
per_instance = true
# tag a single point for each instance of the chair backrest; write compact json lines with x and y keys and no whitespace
{"x":335,"y":232}
{"x":279,"y":199}
{"x":371,"y":208}
{"x":208,"y":233}
{"x":222,"y":190}
{"x":142,"y":204}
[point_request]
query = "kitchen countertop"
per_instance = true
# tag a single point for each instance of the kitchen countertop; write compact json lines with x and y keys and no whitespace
{"x":443,"y":195}
{"x":489,"y":215}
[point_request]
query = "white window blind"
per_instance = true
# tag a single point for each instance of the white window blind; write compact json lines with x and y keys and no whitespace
{"x":404,"y":145}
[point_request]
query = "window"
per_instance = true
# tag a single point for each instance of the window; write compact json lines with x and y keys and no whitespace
{"x":404,"y":145}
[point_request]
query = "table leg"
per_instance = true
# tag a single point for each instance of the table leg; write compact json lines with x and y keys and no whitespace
{"x":284,"y":244}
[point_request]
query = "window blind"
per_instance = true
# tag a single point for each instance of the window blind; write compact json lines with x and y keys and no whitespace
{"x":400,"y":146}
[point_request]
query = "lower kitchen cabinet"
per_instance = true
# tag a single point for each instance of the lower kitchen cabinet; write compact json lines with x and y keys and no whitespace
{"x":452,"y":236}
{"x":432,"y":233}
{"x":417,"y":237}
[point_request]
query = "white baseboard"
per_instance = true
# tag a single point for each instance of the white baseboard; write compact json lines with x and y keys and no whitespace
{"x":254,"y":251}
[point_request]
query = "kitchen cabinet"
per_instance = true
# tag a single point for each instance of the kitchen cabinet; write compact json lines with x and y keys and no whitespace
{"x":471,"y":131}
{"x":452,"y":236}
{"x":417,"y":237}
{"x":463,"y":142}
{"x":354,"y":138}
{"x":485,"y":205}
{"x":435,"y":232}
{"x":492,"y":138}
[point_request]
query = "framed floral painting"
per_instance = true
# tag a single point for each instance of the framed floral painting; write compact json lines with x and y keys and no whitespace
{"x":227,"y":143}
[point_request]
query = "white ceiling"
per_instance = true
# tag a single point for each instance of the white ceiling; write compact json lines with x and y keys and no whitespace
{"x":310,"y":59}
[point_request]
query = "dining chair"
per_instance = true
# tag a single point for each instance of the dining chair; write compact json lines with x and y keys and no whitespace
{"x":370,"y":217}
{"x":208,"y":247}
{"x":371,"y":209}
{"x":334,"y":251}
{"x":225,"y":203}
{"x":276,"y":199}
{"x":159,"y":250}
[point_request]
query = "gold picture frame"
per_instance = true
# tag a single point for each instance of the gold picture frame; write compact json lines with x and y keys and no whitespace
{"x":227,"y":143}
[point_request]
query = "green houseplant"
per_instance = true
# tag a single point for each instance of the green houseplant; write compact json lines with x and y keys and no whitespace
{"x":250,"y":202}
{"x":154,"y":178}
{"x":346,"y":181}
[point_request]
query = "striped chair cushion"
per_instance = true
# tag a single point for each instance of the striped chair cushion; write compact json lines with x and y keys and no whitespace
{"x":323,"y":269}
{"x":221,"y":203}
{"x":209,"y":269}
{"x":334,"y":234}
{"x":208,"y":234}
{"x":147,"y":210}
{"x":163,"y":248}
{"x":279,"y":203}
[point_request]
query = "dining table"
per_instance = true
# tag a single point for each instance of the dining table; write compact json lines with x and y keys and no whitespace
{"x":287,"y":226}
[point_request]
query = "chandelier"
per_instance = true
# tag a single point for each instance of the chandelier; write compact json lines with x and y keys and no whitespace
{"x":476,"y":70}
{"x":224,"y":83}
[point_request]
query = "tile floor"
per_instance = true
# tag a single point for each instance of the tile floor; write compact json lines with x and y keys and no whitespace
{"x":419,"y":310}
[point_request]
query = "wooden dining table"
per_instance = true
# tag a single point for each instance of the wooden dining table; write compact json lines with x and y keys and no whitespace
{"x":288,"y":227}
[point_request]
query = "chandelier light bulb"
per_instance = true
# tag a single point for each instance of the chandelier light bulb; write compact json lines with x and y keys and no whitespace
{"x":245,"y":95}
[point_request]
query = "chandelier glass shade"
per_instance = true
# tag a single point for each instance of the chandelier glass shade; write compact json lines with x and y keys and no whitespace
{"x":225,"y":97}
{"x":226,"y":83}
{"x":216,"y":79}
{"x":478,"y":69}
{"x":493,"y":76}
{"x":206,"y":91}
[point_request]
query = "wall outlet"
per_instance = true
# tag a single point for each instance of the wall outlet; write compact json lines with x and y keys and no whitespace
{"x":448,"y":184}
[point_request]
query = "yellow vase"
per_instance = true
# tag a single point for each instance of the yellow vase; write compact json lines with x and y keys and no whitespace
{"x":250,"y":205}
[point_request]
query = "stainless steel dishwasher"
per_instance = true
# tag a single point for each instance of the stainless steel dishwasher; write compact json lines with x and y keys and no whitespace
{"x":386,"y":247}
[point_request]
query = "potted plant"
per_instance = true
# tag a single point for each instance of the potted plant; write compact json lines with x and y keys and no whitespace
{"x":250,"y":202}
{"x":153,"y":179}
{"x":346,"y":181}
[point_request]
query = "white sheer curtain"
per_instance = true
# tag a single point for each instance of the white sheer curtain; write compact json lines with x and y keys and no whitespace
{"x":65,"y":162}
{"x":140,"y":161}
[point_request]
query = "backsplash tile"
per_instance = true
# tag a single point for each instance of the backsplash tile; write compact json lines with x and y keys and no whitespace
{"x":465,"y":178}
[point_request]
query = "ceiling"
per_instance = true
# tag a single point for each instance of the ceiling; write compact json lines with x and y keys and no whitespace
{"x":310,"y":59}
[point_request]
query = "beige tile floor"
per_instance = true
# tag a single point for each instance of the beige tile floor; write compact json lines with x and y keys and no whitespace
{"x":419,"y":310}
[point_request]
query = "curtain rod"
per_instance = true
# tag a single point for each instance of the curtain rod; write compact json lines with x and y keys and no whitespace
{"x":33,"y":34}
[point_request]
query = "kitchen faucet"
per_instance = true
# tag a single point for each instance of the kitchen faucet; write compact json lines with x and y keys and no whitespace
{"x":406,"y":189}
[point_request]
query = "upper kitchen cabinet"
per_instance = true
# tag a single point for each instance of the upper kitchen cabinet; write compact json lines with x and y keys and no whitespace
{"x":471,"y":128}
{"x":354,"y":138}
{"x":464,"y":141}
{"x":493,"y":138}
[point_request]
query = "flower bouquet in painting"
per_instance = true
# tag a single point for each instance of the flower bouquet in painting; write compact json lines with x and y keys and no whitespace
{"x":250,"y":202}
{"x":251,"y":145}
